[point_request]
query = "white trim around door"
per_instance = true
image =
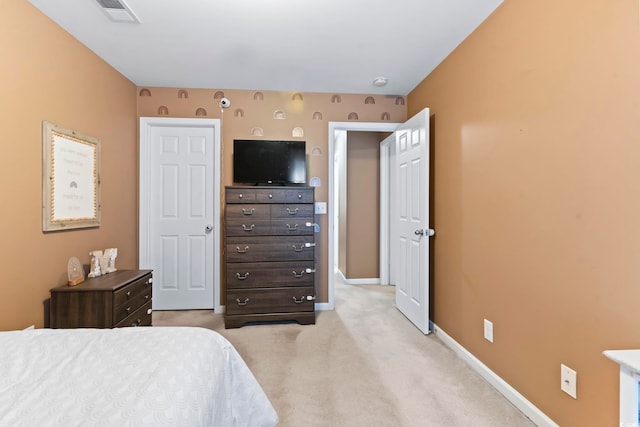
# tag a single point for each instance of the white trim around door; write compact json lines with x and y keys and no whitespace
{"x":335,"y":129}
{"x":147,"y":124}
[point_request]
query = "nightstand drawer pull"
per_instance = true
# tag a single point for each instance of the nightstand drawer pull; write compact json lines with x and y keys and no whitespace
{"x":250,"y":228}
{"x":242,"y":251}
{"x":292,"y":212}
{"x":137,"y":322}
{"x":297,"y":275}
{"x":300,"y":301}
{"x":293,"y":227}
{"x":248,"y":212}
{"x":128,"y":294}
{"x":246,"y":300}
{"x":243,"y":277}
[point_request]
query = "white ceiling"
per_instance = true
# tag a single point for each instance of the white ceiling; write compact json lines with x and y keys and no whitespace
{"x":287,"y":45}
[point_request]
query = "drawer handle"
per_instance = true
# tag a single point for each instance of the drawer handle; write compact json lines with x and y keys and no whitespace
{"x":128,"y":309}
{"x":246,"y":300}
{"x":128,"y":294}
{"x":296,"y":275}
{"x":137,"y":322}
{"x":146,"y":297}
{"x":240,"y":196}
{"x":271,"y":196}
{"x":299,"y":196}
{"x":242,"y":251}
{"x":300,"y":301}
{"x":250,"y":228}
{"x":244,"y":277}
{"x":293,"y":227}
{"x":298,"y":249}
{"x":292,"y":212}
{"x":150,"y":281}
{"x":248,"y":212}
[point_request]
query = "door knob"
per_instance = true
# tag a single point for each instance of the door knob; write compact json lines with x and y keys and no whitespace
{"x":419,"y":232}
{"x":209,"y":228}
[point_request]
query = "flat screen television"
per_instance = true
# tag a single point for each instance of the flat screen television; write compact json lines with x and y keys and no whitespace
{"x":262,"y":162}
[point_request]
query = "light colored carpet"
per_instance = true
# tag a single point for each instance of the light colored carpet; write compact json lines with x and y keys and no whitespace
{"x":363,"y":364}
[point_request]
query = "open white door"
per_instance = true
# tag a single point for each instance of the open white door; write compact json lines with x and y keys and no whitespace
{"x":409,"y":242}
{"x":178,"y":211}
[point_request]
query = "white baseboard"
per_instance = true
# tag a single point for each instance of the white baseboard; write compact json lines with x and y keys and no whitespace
{"x":323,"y":306}
{"x":512,"y":395}
{"x":370,"y":281}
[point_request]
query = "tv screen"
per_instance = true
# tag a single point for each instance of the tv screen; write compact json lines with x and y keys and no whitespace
{"x":261,"y":162}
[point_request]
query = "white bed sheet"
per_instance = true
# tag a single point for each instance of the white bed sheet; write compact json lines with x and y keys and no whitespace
{"x":149,"y":376}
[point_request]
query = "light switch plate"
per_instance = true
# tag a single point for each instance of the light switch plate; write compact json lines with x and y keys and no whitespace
{"x":321,"y":208}
{"x":568,"y":379}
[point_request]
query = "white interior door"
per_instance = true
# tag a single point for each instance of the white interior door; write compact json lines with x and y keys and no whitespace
{"x":180,"y":231}
{"x":410,"y":252}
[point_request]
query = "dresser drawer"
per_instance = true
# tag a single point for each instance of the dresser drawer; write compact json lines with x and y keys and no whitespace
{"x":131,"y":291}
{"x":248,"y":211}
{"x":278,"y":300}
{"x":269,"y":274}
{"x":131,"y":306}
{"x":292,"y":227}
{"x":302,"y":195}
{"x":140,"y":317}
{"x":292,"y":211}
{"x":240,"y":195}
{"x":268,"y":195}
{"x":247,"y":227}
{"x":270,"y":248}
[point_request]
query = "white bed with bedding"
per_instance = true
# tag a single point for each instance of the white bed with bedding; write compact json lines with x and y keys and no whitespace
{"x":148,"y":376}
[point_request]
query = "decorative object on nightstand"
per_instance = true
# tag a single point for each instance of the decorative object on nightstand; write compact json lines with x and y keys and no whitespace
{"x":96,"y":264}
{"x":110,"y":254}
{"x":75,"y":271}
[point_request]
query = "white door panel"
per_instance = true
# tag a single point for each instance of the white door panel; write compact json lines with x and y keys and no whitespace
{"x":181,"y":200}
{"x":412,"y":219}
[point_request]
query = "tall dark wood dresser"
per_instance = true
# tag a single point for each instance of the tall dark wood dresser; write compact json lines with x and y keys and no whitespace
{"x":269,"y":255}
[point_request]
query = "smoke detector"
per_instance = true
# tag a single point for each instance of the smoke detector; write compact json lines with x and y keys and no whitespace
{"x":380,"y":81}
{"x":118,"y":11}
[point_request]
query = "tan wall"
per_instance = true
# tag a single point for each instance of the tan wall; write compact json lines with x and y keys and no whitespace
{"x":537,"y":197}
{"x":275,"y":115}
{"x":363,"y":205}
{"x":48,"y":75}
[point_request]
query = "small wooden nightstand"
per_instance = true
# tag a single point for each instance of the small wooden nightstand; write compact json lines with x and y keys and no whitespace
{"x":121,"y":298}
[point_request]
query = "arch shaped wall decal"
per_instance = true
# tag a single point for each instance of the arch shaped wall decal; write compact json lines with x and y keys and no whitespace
{"x":336,"y":99}
{"x":317,"y":115}
{"x":201,"y":112}
{"x":258,"y":96}
{"x":317,"y":151}
{"x":163,"y":111}
{"x":385,"y":116}
{"x":279,"y":115}
{"x":257,"y":132}
{"x":370,"y":100}
{"x":145,"y":92}
{"x":297,"y":132}
{"x":296,"y":96}
{"x":399,"y":100}
{"x":183,"y":94}
{"x":218,"y":95}
{"x":239,"y":112}
{"x":353,"y":116}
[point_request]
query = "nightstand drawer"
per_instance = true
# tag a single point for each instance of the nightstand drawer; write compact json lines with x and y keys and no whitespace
{"x":130,"y":292}
{"x":140,"y":317}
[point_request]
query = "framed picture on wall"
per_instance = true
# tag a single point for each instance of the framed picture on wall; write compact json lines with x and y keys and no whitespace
{"x":70,"y":179}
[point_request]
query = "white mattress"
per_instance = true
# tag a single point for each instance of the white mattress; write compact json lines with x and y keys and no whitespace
{"x":149,"y":376}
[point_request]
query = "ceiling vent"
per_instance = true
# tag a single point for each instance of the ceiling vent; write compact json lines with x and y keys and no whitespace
{"x":118,"y":11}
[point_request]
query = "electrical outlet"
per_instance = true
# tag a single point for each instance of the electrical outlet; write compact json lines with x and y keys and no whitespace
{"x":568,"y":379}
{"x":488,"y":330}
{"x":321,"y":208}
